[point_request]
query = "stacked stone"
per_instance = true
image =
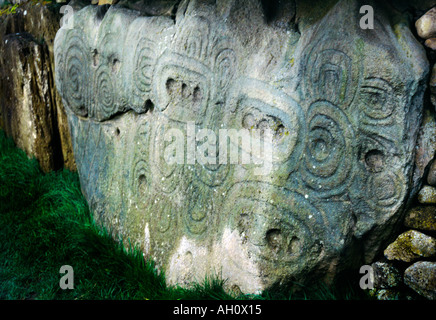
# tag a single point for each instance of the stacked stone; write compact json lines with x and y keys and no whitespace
{"x":410,"y":259}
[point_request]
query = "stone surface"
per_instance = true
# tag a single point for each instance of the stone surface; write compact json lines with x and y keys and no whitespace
{"x":433,"y":86}
{"x":410,"y":246}
{"x":427,"y":195}
{"x":421,"y":277}
{"x":431,"y":176}
{"x":425,"y":146}
{"x":344,"y":106}
{"x":431,"y":43}
{"x":103,"y":2}
{"x":385,"y":294}
{"x":386,"y":275}
{"x":152,"y":8}
{"x":42,"y":22}
{"x":26,"y":111}
{"x":421,"y":218}
{"x":426,"y":25}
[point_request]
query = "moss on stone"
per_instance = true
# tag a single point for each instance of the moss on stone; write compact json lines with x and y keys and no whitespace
{"x":421,"y":218}
{"x":411,"y":245}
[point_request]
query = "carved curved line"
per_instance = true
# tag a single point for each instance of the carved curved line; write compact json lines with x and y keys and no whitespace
{"x":275,"y":103}
{"x":105,"y":104}
{"x":288,"y":206}
{"x":193,"y":37}
{"x":375,"y":201}
{"x":268,"y":189}
{"x":166,"y":177}
{"x":329,"y":177}
{"x":377,"y":88}
{"x":75,"y":69}
{"x":141,"y":183}
{"x":332,"y":54}
{"x":199,"y":211}
{"x":181,"y":68}
{"x":144,"y":60}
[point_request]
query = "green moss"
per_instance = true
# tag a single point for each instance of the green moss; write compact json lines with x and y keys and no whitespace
{"x":421,"y":218}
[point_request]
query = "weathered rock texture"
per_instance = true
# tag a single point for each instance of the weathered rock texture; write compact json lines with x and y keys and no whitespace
{"x":27,"y":113}
{"x":421,"y":277}
{"x":410,"y":246}
{"x":422,"y":218}
{"x":344,"y":105}
{"x":31,"y":109}
{"x":426,"y":29}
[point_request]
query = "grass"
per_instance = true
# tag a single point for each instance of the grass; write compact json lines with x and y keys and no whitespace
{"x":45,"y":223}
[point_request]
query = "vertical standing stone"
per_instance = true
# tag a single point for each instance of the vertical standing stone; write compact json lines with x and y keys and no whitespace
{"x":26,"y":105}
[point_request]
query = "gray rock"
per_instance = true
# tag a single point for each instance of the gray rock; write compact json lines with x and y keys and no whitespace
{"x":431,"y":177}
{"x":42,"y":23}
{"x":26,"y":109}
{"x":344,"y":106}
{"x":427,"y":195}
{"x":433,"y":86}
{"x":386,"y":275}
{"x":421,"y":277}
{"x":426,"y":146}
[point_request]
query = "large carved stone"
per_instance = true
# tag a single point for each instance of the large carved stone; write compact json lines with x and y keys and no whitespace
{"x":31,"y":110}
{"x":343,"y":104}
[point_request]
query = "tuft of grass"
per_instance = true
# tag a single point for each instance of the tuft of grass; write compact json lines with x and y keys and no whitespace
{"x":45,"y":223}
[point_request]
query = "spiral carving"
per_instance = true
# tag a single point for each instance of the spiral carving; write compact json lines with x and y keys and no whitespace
{"x":144,"y":62}
{"x":105,"y":102}
{"x":385,"y":190}
{"x":283,"y":231}
{"x":330,"y":74}
{"x":199,"y":211}
{"x":192,"y":37}
{"x":164,"y":213}
{"x":75,"y":66}
{"x":167,"y":176}
{"x":327,"y":163}
{"x":377,"y":99}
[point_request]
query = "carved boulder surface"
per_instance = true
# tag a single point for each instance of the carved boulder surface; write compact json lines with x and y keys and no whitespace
{"x":344,"y":106}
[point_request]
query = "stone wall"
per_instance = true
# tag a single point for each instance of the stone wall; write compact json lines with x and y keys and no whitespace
{"x":407,"y":269}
